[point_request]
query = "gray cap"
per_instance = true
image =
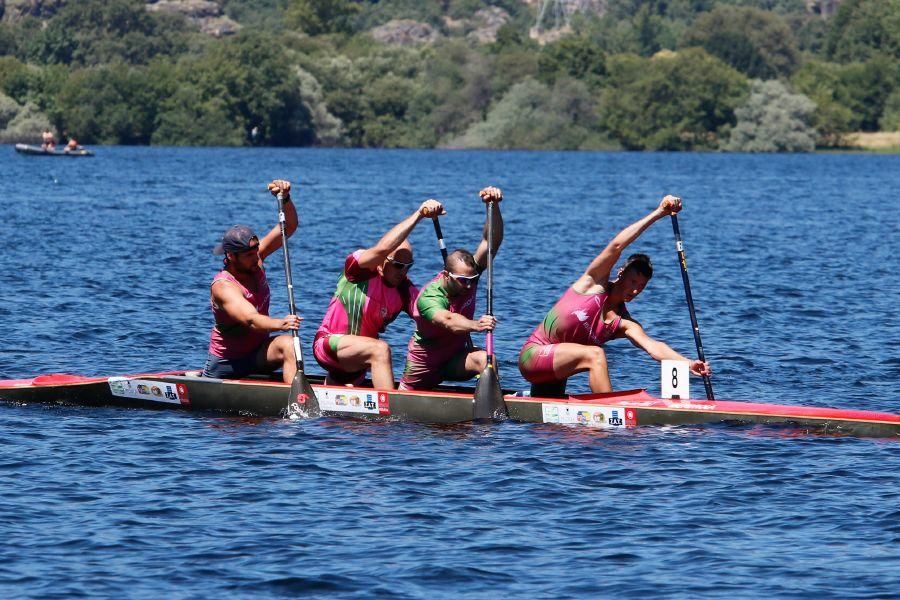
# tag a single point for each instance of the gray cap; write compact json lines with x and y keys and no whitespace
{"x":236,"y":239}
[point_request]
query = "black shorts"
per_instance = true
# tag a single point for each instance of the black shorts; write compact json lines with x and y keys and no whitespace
{"x":231,"y":368}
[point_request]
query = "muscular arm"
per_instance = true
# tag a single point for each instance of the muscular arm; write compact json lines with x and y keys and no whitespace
{"x":658,"y":350}
{"x":490,"y":193}
{"x":457,"y":323}
{"x":598,"y":271}
{"x":374,"y":256}
{"x":271,"y":242}
{"x":232,"y":301}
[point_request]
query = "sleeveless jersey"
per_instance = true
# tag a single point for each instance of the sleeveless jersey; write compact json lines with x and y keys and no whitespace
{"x":576,"y":318}
{"x":230,"y":339}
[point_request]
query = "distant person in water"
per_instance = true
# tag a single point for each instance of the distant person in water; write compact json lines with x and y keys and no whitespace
{"x":47,"y":140}
{"x":240,"y":343}
{"x":373,"y":289}
{"x":592,"y":312}
{"x":72,"y":145}
{"x":441,"y":347}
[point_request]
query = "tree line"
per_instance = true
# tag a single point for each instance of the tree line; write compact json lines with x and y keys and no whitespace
{"x":741,"y":75}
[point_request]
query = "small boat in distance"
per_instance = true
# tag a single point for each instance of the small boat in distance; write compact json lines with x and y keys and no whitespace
{"x":263,"y":397}
{"x":39,"y":151}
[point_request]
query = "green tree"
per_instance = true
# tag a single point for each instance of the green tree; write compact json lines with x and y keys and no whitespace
{"x":823,"y":84}
{"x":188,"y":119}
{"x":316,"y":17}
{"x":862,"y":29}
{"x":890,"y":119}
{"x":533,"y":115}
{"x":674,"y":101}
{"x":575,"y":57}
{"x":92,"y":32}
{"x":868,"y":86}
{"x":862,"y":89}
{"x":755,"y":42}
{"x":773,"y":120}
{"x":112,"y":104}
{"x":247,"y":75}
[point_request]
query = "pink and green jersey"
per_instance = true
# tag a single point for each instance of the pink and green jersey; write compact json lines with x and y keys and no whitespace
{"x":433,"y":344}
{"x":363,"y":304}
{"x":229,"y":338}
{"x":576,"y":318}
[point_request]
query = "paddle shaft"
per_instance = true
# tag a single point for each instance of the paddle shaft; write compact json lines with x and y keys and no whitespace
{"x":440,"y":238}
{"x":679,"y":246}
{"x":290,"y":282}
{"x":489,"y":339}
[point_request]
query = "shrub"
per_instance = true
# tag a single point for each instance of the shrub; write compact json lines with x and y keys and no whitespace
{"x":773,"y":120}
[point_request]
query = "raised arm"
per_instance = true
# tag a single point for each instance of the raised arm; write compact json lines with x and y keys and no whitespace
{"x":490,"y":194}
{"x":272,"y":240}
{"x":598,"y":271}
{"x":374,"y":256}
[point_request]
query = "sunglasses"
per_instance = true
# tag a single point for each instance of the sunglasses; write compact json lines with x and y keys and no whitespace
{"x":466,"y":280}
{"x":400,"y":265}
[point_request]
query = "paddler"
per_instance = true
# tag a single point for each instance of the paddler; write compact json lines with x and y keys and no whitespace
{"x":592,"y":312}
{"x":48,"y":142}
{"x":240,"y":343}
{"x":372,"y":290}
{"x":441,"y":348}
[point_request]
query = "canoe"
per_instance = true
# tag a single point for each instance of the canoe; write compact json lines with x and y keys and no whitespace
{"x":186,"y":390}
{"x":38,"y":151}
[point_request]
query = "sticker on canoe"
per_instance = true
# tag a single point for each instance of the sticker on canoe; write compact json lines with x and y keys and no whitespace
{"x":146,"y":389}
{"x":590,"y":415}
{"x":355,"y":401}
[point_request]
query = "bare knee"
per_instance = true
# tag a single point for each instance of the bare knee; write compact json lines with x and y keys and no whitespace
{"x":287,"y":343}
{"x":596,"y":357}
{"x":381,"y":352}
{"x":479,"y":361}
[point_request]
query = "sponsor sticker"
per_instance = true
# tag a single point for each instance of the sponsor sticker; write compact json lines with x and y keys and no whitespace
{"x":353,"y":401}
{"x":145,"y":389}
{"x":589,"y":415}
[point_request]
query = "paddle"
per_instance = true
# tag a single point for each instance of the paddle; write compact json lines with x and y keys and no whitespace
{"x":440,"y":238}
{"x":679,"y":245}
{"x":302,"y":401}
{"x":489,"y":402}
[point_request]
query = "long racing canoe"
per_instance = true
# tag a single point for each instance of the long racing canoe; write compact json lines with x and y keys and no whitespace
{"x":186,"y":390}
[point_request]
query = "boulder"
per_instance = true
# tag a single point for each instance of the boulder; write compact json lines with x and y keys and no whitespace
{"x":405,"y":32}
{"x":487,"y":22}
{"x":204,"y":14}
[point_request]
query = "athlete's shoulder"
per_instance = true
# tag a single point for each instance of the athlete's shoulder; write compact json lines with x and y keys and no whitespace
{"x":352,"y":269}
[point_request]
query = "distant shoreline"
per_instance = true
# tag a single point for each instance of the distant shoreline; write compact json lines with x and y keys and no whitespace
{"x":878,"y":142}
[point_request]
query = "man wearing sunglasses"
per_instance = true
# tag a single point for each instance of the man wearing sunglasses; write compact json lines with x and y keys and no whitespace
{"x":441,"y":348}
{"x":240,"y":343}
{"x":371,"y":291}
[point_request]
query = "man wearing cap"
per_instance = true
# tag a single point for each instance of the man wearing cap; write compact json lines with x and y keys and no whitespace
{"x":240,"y":344}
{"x":371,"y":291}
{"x":441,"y":347}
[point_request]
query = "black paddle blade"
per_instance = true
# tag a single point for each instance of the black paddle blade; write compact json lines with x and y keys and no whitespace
{"x":489,"y":403}
{"x":302,"y":403}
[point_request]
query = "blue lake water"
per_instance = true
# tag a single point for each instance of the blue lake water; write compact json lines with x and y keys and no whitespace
{"x":105,"y":267}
